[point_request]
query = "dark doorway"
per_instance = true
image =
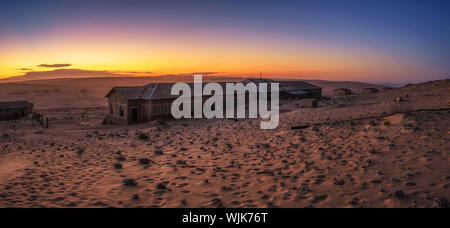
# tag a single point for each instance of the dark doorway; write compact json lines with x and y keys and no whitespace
{"x":134,"y":114}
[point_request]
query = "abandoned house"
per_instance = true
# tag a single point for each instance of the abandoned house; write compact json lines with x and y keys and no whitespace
{"x":141,"y":104}
{"x":14,"y":110}
{"x":292,"y":89}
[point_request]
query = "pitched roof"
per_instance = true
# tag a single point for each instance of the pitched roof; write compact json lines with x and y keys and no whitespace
{"x":296,"y":85}
{"x":285,"y":86}
{"x":134,"y":92}
{"x":257,"y":81}
{"x":155,"y":91}
{"x":164,"y":90}
{"x":14,"y":104}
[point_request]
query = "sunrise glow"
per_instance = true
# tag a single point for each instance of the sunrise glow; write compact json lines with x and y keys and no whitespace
{"x":304,"y":40}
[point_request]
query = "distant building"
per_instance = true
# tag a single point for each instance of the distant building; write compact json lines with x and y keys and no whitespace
{"x":369,"y":90}
{"x":309,"y":103}
{"x":292,"y":89}
{"x":387,"y":89}
{"x":14,"y":110}
{"x":141,"y":104}
{"x":342,"y":92}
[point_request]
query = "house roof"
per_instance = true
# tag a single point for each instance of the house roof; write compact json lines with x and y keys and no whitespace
{"x":134,"y":92}
{"x":296,"y":85}
{"x":296,"y":92}
{"x":14,"y":104}
{"x":257,"y":81}
{"x":155,"y":91}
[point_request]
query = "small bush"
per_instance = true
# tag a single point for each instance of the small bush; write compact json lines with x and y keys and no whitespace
{"x":387,"y":123}
{"x":181,"y":162}
{"x":161,"y":186}
{"x":80,"y":150}
{"x":143,"y":136}
{"x":144,"y":161}
{"x":121,"y":158}
{"x":130,"y":182}
{"x":118,"y":166}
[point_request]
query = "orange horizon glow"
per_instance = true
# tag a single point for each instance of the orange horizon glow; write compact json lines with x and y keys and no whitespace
{"x":140,"y":50}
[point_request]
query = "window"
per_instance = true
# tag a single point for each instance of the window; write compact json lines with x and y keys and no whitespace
{"x":121,"y":111}
{"x":111,"y":110}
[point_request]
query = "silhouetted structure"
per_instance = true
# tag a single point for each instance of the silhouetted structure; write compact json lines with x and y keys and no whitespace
{"x":14,"y":110}
{"x":141,"y":104}
{"x":386,"y":89}
{"x":292,"y":89}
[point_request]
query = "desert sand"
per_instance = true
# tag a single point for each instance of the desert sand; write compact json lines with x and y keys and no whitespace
{"x":387,"y":149}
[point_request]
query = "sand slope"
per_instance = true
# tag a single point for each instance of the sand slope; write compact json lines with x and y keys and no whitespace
{"x":390,"y":160}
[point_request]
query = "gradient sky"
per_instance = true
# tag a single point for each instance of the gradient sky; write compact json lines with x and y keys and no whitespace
{"x":374,"y":41}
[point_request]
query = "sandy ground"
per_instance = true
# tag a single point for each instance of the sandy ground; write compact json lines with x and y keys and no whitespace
{"x":362,"y":152}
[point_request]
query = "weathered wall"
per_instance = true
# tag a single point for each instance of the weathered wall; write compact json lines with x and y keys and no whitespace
{"x":14,"y":114}
{"x":117,"y":109}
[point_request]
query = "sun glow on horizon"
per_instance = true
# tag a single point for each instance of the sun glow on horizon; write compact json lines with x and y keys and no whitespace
{"x":131,"y":41}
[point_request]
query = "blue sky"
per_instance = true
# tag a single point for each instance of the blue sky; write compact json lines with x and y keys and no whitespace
{"x":408,"y":31}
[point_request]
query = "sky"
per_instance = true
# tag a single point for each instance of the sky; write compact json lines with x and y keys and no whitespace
{"x":397,"y":41}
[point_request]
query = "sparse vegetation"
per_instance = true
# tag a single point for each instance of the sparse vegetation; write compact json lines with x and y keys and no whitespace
{"x":198,"y":158}
{"x":130,"y":182}
{"x":161,"y":186}
{"x":80,"y":150}
{"x":144,"y":161}
{"x":411,"y":126}
{"x":372,"y":123}
{"x":142,"y":136}
{"x":121,"y":158}
{"x":181,"y":162}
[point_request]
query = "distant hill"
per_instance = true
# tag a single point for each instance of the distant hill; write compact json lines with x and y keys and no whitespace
{"x":59,"y":73}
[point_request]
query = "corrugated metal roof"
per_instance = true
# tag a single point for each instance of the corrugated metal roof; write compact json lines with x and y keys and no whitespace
{"x":296,"y":92}
{"x":134,"y":92}
{"x":155,"y":91}
{"x":285,"y":85}
{"x":296,"y":85}
{"x":163,"y":90}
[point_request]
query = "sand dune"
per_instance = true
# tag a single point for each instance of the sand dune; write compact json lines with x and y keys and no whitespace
{"x":362,"y":151}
